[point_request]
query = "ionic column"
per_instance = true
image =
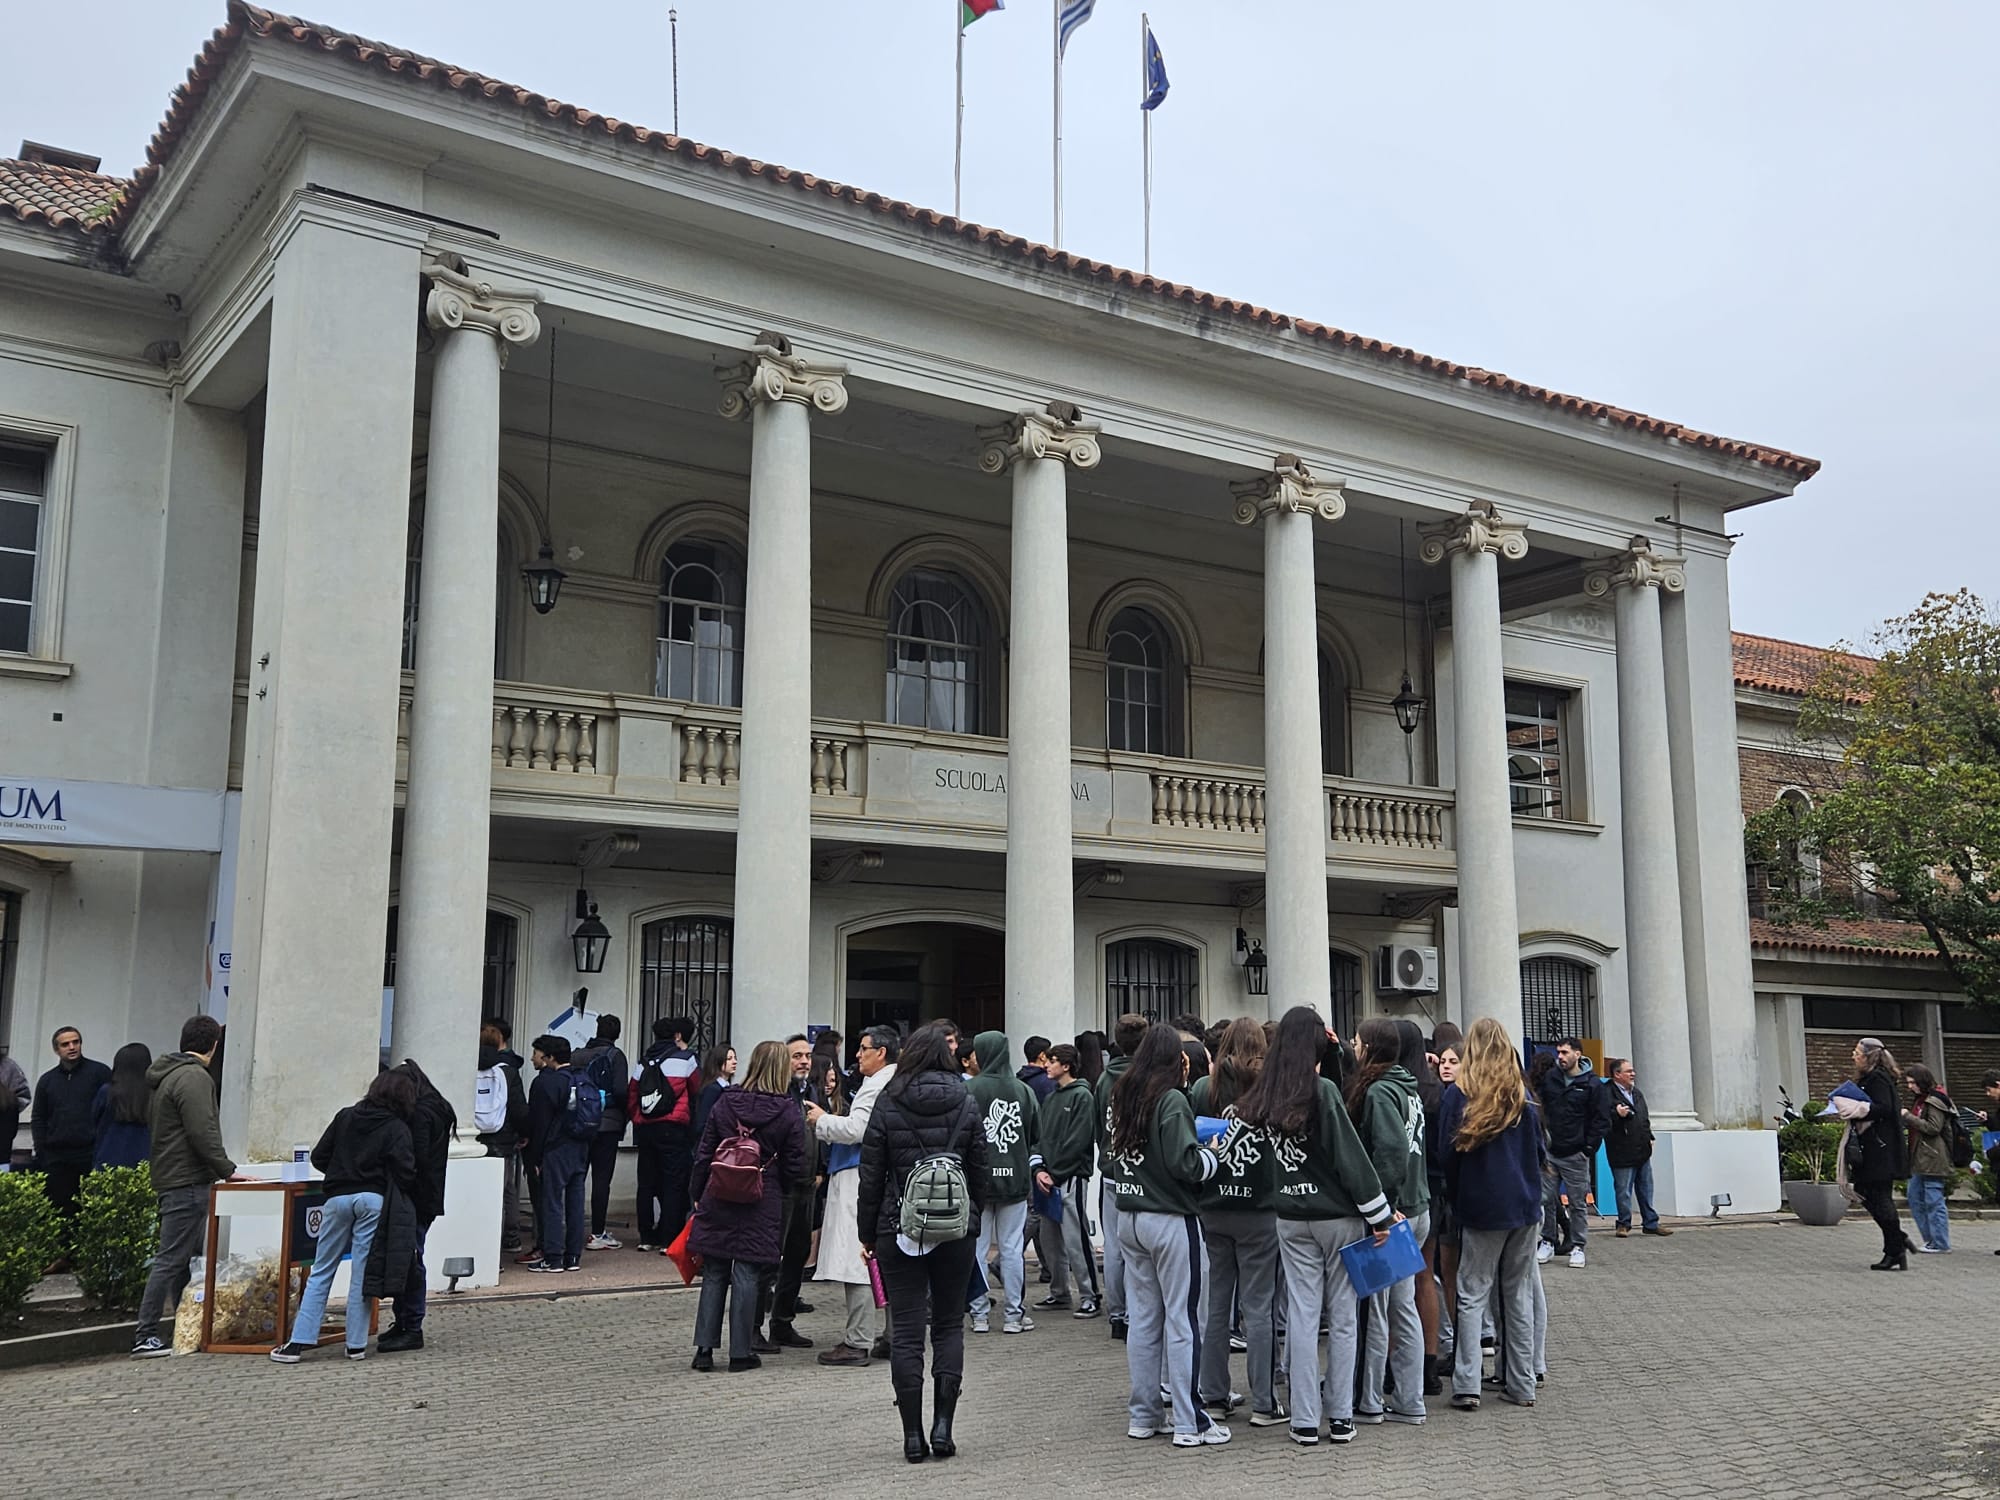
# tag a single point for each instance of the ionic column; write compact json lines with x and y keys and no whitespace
{"x":447,"y":818}
{"x":776,"y":389}
{"x":1295,"y":818}
{"x":1489,"y":926}
{"x":1038,"y":447}
{"x":1655,"y":959}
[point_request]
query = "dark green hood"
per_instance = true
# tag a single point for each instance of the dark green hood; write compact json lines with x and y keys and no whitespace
{"x":1008,"y":1107}
{"x":990,"y":1047}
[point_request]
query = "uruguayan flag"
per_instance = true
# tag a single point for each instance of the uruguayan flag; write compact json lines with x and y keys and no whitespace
{"x":1072,"y":15}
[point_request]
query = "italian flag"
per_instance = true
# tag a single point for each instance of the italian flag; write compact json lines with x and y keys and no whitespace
{"x":971,"y":10}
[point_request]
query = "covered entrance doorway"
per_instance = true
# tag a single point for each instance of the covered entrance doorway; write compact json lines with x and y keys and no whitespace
{"x":908,"y":973}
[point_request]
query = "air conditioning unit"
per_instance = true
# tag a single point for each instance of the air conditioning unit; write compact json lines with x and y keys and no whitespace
{"x":1406,"y":971}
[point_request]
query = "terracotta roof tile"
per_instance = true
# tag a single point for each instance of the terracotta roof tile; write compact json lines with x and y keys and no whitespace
{"x":1870,"y":935}
{"x":1775,"y":666}
{"x":61,"y":197}
{"x":247,"y":20}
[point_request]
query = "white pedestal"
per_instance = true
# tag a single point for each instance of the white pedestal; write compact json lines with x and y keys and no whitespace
{"x":1690,"y":1166}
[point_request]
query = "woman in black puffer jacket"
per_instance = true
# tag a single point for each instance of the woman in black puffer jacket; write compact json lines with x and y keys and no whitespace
{"x":923,"y":1112}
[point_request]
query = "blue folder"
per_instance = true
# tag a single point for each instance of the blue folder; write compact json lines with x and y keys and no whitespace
{"x":1372,"y":1267}
{"x":1208,"y":1129}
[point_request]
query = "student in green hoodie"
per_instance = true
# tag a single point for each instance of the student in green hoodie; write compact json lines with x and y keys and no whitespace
{"x":1328,"y":1196}
{"x":1131,"y":1028}
{"x":1389,"y":1117}
{"x":1160,"y":1168}
{"x":1068,"y":1131}
{"x":1007,"y":1105}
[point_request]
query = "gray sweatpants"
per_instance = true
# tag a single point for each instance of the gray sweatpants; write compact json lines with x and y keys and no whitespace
{"x":1575,"y":1173}
{"x":1075,"y":1261}
{"x":1315,"y":1283}
{"x":1242,"y":1262}
{"x":1497,"y":1266}
{"x":1162,"y":1255}
{"x":1114,"y":1253}
{"x":1004,"y":1224}
{"x":1395,"y":1331}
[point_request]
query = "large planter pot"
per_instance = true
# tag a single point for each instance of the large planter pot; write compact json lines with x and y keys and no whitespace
{"x":1817,"y":1202}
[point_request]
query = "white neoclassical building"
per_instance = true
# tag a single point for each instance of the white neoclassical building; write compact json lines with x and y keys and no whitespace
{"x":948,"y":625}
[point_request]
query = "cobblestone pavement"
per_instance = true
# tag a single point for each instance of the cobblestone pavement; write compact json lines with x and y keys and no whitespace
{"x":1755,"y":1360}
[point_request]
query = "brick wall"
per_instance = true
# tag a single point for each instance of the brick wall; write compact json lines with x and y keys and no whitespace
{"x":1965,"y":1059}
{"x":1765,"y":773}
{"x":1830,"y":1056}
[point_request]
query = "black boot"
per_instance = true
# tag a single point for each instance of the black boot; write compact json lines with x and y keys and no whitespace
{"x":910,"y":1406}
{"x":1898,"y":1260}
{"x":945,"y":1398}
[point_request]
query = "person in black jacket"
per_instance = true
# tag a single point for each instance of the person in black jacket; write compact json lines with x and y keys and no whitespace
{"x":557,"y":1160}
{"x":365,"y":1154}
{"x":1877,"y":1142}
{"x":1575,"y":1107}
{"x":1628,"y":1146}
{"x":433,"y":1128}
{"x":924,"y":1112}
{"x":64,"y":1133}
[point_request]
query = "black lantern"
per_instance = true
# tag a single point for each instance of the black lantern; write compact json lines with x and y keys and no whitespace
{"x":1257,"y":969}
{"x":590,"y":936}
{"x":544,"y":579}
{"x":1408,"y":706}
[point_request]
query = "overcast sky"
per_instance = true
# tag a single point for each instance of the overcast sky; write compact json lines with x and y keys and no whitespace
{"x":1779,"y":221}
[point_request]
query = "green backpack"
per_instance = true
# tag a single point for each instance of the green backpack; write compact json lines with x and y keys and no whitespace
{"x":937,"y":1205}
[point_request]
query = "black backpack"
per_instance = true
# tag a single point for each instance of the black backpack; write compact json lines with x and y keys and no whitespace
{"x":1960,"y":1139}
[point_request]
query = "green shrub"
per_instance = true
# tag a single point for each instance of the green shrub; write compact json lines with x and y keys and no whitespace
{"x":1809,"y":1148}
{"x":114,"y":1234}
{"x":30,"y":1236}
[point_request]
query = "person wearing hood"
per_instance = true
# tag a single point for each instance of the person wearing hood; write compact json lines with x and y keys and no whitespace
{"x":840,"y":1259}
{"x":1008,"y":1108}
{"x":187,"y":1158}
{"x":365,"y":1154}
{"x":1578,"y":1113}
{"x":433,"y":1128}
{"x":738,"y":1240}
{"x":1388,"y":1115}
{"x":924,"y":1112}
{"x":1130,"y":1031}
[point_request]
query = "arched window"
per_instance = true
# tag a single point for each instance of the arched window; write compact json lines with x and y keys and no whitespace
{"x":938,"y":674}
{"x":502,"y":953}
{"x":1332,"y":717}
{"x":1558,"y":998}
{"x":413,"y":580}
{"x":700,"y":652}
{"x":1797,"y":870}
{"x":684,"y":970}
{"x":1153,"y":977}
{"x":1138,"y":685}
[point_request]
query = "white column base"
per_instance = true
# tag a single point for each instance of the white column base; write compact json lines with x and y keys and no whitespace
{"x":1689,"y":1167}
{"x":1676,"y":1120}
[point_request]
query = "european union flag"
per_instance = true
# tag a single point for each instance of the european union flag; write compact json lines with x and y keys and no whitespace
{"x":1156,"y":74}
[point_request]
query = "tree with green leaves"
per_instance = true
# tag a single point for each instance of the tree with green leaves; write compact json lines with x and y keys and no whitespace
{"x":1900,"y":757}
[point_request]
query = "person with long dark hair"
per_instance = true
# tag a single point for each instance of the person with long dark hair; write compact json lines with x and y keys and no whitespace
{"x":1090,"y":1056}
{"x":1929,"y":1118}
{"x":122,"y":1109}
{"x":1388,"y":1114}
{"x":1441,"y":1249}
{"x":1416,"y":1061}
{"x":1328,"y":1196}
{"x":923,"y":1112}
{"x":1877,"y":1148}
{"x":1156,"y":1167}
{"x":399,"y":1245}
{"x":1239,"y":1225}
{"x":718,"y":1072}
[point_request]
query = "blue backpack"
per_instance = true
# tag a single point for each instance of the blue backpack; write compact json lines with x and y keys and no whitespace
{"x":586,"y":1108}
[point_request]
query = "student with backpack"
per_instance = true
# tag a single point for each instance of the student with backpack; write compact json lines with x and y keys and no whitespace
{"x":605,"y":1067}
{"x":923,"y":1183}
{"x":751,"y":1158}
{"x":1938,"y":1142}
{"x":660,"y":1100}
{"x":565,"y":1111}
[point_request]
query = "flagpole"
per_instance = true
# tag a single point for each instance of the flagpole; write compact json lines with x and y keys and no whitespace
{"x":1055,"y":40}
{"x":958,"y":121}
{"x":1146,"y":116}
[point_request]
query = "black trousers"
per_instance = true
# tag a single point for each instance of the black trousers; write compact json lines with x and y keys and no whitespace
{"x":666,"y":1160}
{"x":925,"y":1291}
{"x":65,"y":1176}
{"x":778,"y":1296}
{"x":1879,"y":1198}
{"x":603,"y":1164}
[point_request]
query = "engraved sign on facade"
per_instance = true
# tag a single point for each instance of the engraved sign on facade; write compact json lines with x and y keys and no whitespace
{"x":974,"y":787}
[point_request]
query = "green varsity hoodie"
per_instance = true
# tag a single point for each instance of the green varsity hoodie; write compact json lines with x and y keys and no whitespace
{"x":1166,"y":1177}
{"x":1245,"y":1179}
{"x":1067,"y":1128}
{"x":1392,"y":1128}
{"x":1112,"y":1068}
{"x":1325,"y":1173}
{"x":1008,"y":1108}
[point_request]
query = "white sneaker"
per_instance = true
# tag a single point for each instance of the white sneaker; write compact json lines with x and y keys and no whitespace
{"x":1576,"y":1260}
{"x":601,"y":1242}
{"x":1214,"y":1435}
{"x":1271,"y":1418}
{"x":1544,"y":1253}
{"x":1136,"y":1431}
{"x":1022,"y":1324}
{"x":980,"y":1323}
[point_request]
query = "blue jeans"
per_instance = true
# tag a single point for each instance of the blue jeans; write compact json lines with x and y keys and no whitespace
{"x":414,"y":1299}
{"x":347,"y":1228}
{"x":1628,"y":1179}
{"x":733,"y":1282}
{"x":563,"y":1182}
{"x":1927,"y":1208}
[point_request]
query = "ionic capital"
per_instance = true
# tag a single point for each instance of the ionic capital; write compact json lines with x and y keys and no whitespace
{"x":1290,"y":487}
{"x":1057,"y":432}
{"x":1480,"y":529}
{"x":1637,"y":567}
{"x":457,"y":300}
{"x":773,"y":373}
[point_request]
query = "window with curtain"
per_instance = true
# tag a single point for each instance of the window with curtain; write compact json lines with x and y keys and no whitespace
{"x":1138,"y":679}
{"x":684,"y":970}
{"x":1558,"y":998}
{"x":700,"y":649}
{"x":1153,"y":977}
{"x":938,"y":644}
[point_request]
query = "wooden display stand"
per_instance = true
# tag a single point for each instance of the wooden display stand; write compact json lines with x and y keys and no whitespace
{"x":290,"y":1214}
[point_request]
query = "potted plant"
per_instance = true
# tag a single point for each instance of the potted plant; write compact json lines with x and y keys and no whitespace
{"x":1808,"y":1150}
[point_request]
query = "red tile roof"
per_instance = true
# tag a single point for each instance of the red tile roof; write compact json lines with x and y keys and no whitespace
{"x":251,"y":21}
{"x":1871,"y":935}
{"x":1775,"y":666}
{"x":60,"y":197}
